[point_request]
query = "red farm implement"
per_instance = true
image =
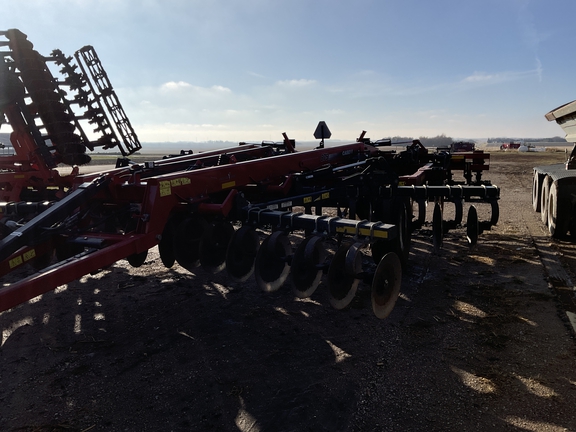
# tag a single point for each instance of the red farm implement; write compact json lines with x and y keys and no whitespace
{"x":208,"y":209}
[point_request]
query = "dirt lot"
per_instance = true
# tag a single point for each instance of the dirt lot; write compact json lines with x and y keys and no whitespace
{"x":478,"y":341}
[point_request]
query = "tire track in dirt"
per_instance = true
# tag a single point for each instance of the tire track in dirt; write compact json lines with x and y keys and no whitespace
{"x":551,"y":252}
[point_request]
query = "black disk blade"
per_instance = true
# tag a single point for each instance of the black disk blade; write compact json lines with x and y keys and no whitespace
{"x":214,"y":245}
{"x":342,"y":281}
{"x":271,"y":267}
{"x":187,"y":240}
{"x":472,"y":226}
{"x":241,"y":253}
{"x":437,"y":227}
{"x":386,"y":285}
{"x":166,"y":244}
{"x":307,"y":266}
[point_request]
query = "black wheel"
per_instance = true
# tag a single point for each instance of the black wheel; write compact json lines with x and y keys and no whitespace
{"x":137,"y":259}
{"x":536,"y":187}
{"x":544,"y":195}
{"x":559,"y":213}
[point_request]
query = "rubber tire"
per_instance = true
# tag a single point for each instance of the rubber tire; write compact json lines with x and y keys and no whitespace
{"x":536,"y":188}
{"x":558,"y":213}
{"x":137,"y":259}
{"x":544,"y":195}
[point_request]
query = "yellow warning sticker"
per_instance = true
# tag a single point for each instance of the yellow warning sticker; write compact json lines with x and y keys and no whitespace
{"x":29,"y":255}
{"x":307,"y":200}
{"x":228,"y":184}
{"x":165,"y":188}
{"x":15,"y":262}
{"x":362,"y":231}
{"x":167,"y":185}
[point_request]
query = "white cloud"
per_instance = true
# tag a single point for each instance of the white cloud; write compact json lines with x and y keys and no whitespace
{"x":479,"y":77}
{"x":175,"y":85}
{"x":296,"y":83}
{"x":483,"y":78}
{"x":182,"y":85}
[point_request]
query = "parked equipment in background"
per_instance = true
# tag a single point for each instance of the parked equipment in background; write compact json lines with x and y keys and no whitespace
{"x":554,"y":186}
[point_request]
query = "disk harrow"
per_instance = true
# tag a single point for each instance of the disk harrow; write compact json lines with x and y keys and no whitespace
{"x":211,"y":210}
{"x":343,"y":214}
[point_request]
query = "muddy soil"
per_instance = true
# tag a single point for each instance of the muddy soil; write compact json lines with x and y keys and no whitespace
{"x":479,"y":340}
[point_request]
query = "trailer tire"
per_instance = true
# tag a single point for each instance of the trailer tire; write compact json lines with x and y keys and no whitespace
{"x":544,"y":195}
{"x":558,"y":213}
{"x":536,"y":189}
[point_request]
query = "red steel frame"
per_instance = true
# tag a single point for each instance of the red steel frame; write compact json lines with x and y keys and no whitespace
{"x":158,"y":196}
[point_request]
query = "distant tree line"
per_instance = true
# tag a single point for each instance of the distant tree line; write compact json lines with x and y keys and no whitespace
{"x":553,"y":139}
{"x":437,"y":141}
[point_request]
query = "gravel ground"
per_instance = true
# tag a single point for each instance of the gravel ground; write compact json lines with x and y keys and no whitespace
{"x":478,"y":340}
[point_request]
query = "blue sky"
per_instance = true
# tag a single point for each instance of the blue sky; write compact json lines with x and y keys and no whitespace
{"x":188,"y":70}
